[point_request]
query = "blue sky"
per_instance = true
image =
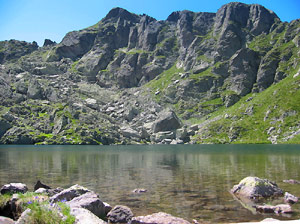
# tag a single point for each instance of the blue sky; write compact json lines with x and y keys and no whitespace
{"x":35,"y":20}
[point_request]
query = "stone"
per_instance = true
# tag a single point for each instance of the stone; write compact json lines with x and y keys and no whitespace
{"x":49,"y":42}
{"x":84,"y":216}
{"x":39,"y":184}
{"x":23,"y":219}
{"x":5,"y":220}
{"x":270,"y":220}
{"x":281,"y":208}
{"x":89,"y":201}
{"x":120,"y":214}
{"x":181,"y":133}
{"x":289,"y":198}
{"x":48,"y":69}
{"x":130,"y":133}
{"x":41,"y":191}
{"x":139,"y":190}
{"x":158,"y":218}
{"x":167,"y":121}
{"x":52,"y":192}
{"x":13,"y":188}
{"x":231,"y":99}
{"x":92,"y":103}
{"x":291,"y":181}
{"x":130,"y":113}
{"x":35,"y":91}
{"x":69,"y":193}
{"x":107,"y":208}
{"x":176,"y":142}
{"x":256,"y":188}
{"x":4,"y":126}
{"x":74,"y":44}
{"x":270,"y":130}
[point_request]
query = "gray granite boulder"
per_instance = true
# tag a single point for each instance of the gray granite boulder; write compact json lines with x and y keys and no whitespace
{"x":69,"y":194}
{"x":89,"y":201}
{"x":255,"y":188}
{"x":5,"y":220}
{"x":167,"y":121}
{"x":84,"y":216}
{"x":14,"y":188}
{"x":158,"y":218}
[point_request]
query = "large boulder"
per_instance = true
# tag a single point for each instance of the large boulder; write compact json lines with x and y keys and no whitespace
{"x":289,"y":198}
{"x":89,"y":201}
{"x":13,"y":188}
{"x":167,"y":121}
{"x":256,"y":188}
{"x":158,"y":218}
{"x":69,"y":194}
{"x":84,"y":216}
{"x":35,"y":90}
{"x":282,"y":208}
{"x":39,"y":184}
{"x":120,"y":214}
{"x":128,"y":132}
{"x":4,"y":126}
{"x":5,"y":220}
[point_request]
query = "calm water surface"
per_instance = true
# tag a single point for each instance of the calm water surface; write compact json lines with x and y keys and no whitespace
{"x":191,"y":182}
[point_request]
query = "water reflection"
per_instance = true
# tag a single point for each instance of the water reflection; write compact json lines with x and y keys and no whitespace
{"x":192,"y":182}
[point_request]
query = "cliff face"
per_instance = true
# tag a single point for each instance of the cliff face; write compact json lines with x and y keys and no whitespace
{"x":112,"y":82}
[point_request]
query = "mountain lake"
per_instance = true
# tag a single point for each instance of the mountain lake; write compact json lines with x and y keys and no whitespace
{"x":188,"y":181}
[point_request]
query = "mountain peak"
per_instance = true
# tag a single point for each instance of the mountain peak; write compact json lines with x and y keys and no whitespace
{"x":254,"y":17}
{"x":120,"y":13}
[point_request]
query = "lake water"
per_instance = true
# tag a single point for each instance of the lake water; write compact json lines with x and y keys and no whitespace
{"x":188,"y":181}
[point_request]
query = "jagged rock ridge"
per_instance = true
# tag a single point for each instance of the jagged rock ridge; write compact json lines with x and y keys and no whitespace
{"x":110,"y":83}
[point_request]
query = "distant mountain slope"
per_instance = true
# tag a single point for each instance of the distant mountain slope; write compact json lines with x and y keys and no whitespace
{"x":220,"y":77}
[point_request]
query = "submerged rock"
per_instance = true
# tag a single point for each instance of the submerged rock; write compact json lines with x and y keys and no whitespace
{"x":158,"y":218}
{"x":139,"y":190}
{"x":255,"y":188}
{"x":291,"y":181}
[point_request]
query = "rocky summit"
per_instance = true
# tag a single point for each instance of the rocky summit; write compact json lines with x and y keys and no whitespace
{"x":227,"y":77}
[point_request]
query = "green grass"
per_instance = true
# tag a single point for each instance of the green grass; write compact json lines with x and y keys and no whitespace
{"x":279,"y":98}
{"x":45,"y":213}
{"x":73,"y":67}
{"x":4,"y":199}
{"x":42,"y":211}
{"x":164,"y":80}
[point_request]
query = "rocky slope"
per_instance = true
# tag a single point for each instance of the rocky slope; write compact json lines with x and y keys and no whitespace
{"x":230,"y":76}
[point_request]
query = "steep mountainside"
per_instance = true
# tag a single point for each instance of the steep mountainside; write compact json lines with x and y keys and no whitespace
{"x":231,"y":76}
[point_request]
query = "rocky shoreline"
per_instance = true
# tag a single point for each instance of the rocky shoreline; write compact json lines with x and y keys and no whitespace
{"x":80,"y":205}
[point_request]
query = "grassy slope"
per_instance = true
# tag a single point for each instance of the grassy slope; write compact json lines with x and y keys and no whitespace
{"x":280,"y":102}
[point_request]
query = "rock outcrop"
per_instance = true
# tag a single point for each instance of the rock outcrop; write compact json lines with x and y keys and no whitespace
{"x":109,"y":83}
